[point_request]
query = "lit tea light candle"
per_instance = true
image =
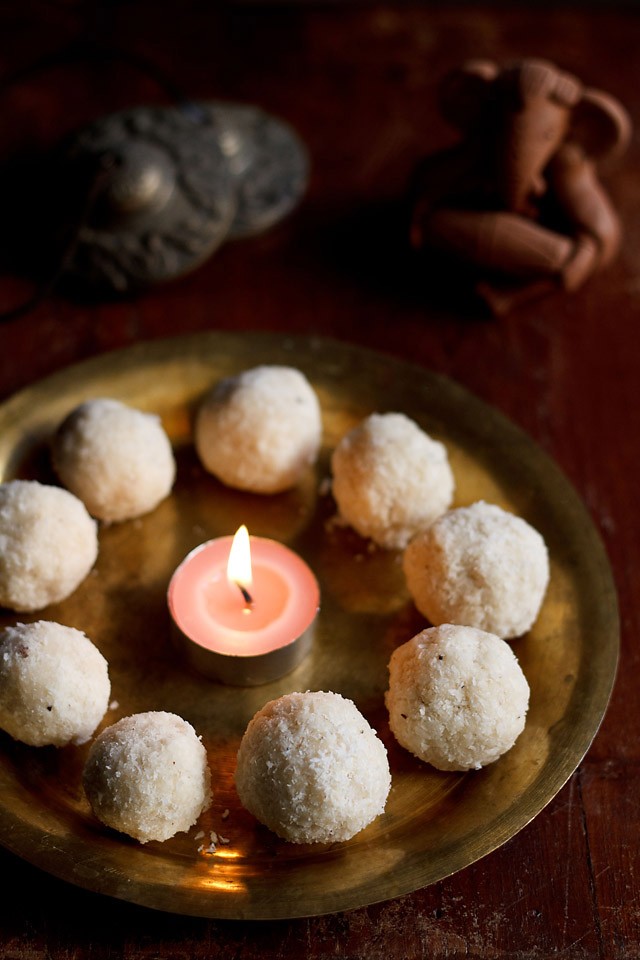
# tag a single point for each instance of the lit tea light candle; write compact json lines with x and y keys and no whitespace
{"x":244,"y":608}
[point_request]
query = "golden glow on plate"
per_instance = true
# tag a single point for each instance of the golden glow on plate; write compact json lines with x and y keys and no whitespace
{"x":435,"y":823}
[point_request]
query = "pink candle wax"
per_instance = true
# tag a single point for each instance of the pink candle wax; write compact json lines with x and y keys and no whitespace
{"x":212,"y":613}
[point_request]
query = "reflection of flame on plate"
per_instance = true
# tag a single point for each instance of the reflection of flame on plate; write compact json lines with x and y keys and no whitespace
{"x":549,"y":650}
{"x":363,"y":578}
{"x":210,"y":509}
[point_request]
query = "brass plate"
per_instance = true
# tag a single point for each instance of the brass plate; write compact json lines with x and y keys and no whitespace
{"x":435,"y":823}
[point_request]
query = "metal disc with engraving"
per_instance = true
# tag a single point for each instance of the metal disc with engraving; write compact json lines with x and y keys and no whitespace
{"x":163,"y":196}
{"x":268,"y":160}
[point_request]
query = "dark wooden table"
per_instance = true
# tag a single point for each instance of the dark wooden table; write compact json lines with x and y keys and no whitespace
{"x":358,"y":82}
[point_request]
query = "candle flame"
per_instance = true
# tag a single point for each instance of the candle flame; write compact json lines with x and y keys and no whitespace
{"x":239,"y":563}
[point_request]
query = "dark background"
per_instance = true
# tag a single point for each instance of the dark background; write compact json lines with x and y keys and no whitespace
{"x":358,"y":81}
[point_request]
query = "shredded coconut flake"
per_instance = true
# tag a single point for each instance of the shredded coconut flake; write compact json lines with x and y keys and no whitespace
{"x":164,"y":781}
{"x":312,"y":769}
{"x":479,"y":566}
{"x":54,"y":684}
{"x":261,"y":430}
{"x":390,"y":479}
{"x":457,"y":697}
{"x":116,"y":459}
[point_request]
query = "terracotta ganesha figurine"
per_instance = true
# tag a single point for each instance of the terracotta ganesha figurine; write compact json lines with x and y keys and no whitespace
{"x":519,"y":199}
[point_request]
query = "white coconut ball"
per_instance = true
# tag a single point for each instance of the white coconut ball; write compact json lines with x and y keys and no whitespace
{"x":54,"y":684}
{"x":479,"y":566}
{"x":261,"y":430}
{"x":48,"y":544}
{"x":312,"y":769}
{"x":116,"y":459}
{"x":390,"y":479}
{"x":457,"y":697}
{"x":147,"y":776}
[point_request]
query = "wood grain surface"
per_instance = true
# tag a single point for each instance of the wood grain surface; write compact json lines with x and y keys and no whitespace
{"x":358,"y":83}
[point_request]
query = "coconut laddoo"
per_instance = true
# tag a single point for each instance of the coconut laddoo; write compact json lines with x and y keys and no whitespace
{"x":54,"y":684}
{"x":260,"y":430}
{"x":390,"y":479}
{"x":312,"y":769}
{"x":457,"y":697}
{"x":479,"y":566}
{"x":147,"y":776}
{"x":116,"y":459}
{"x":48,"y":544}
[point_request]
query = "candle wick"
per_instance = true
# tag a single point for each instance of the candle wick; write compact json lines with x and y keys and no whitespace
{"x":248,"y":599}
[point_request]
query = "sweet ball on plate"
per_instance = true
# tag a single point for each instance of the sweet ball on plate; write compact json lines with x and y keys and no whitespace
{"x":390,"y":479}
{"x":147,"y":776}
{"x":116,"y":459}
{"x":260,"y":431}
{"x":48,"y":544}
{"x":312,"y":769}
{"x":457,"y":697}
{"x":54,"y":684}
{"x":479,"y":566}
